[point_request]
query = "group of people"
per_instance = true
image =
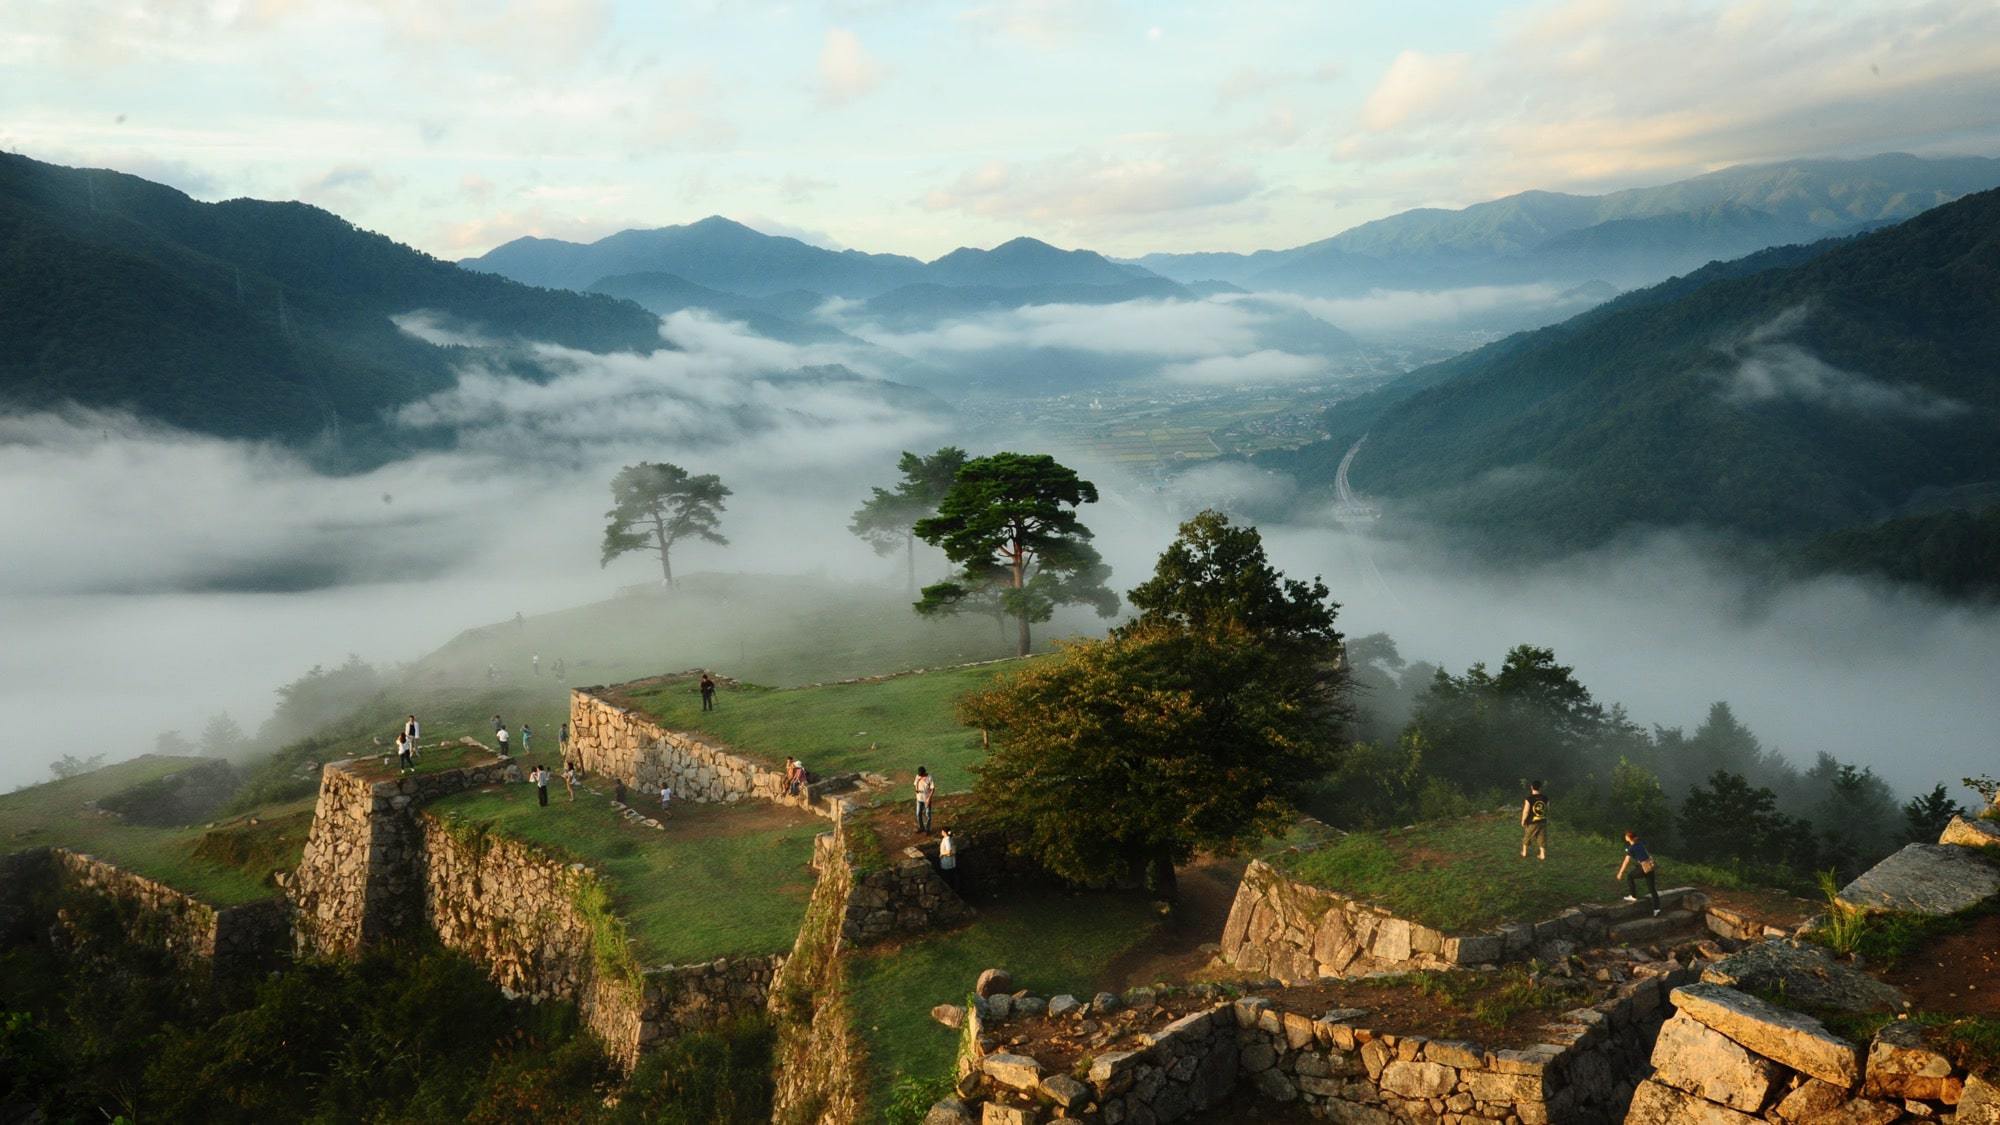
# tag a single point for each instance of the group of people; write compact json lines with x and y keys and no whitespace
{"x":1638,"y":862}
{"x":926,"y":787}
{"x":796,"y":777}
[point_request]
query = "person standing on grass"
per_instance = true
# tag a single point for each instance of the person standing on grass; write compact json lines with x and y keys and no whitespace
{"x":948,"y":859}
{"x":535,"y":663}
{"x":403,"y":753}
{"x":497,"y":724}
{"x":414,"y":732}
{"x":1640,"y":863}
{"x":527,"y":732}
{"x":569,"y":779}
{"x":707,"y":692}
{"x":562,"y":741}
{"x":618,"y":791}
{"x":500,"y":736}
{"x":925,"y":788}
{"x":542,"y":785}
{"x":666,"y":799}
{"x":1535,"y":821}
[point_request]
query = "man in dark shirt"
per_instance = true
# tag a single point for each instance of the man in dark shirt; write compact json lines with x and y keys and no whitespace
{"x":1535,"y":822}
{"x":1638,"y":862}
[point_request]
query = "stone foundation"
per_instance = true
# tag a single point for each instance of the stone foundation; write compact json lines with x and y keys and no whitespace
{"x":909,"y":896}
{"x":621,"y":743}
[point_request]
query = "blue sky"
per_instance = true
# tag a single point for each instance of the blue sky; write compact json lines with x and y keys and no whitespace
{"x":917,"y":127}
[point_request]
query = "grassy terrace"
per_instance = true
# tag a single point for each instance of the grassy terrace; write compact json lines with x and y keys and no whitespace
{"x":204,"y":863}
{"x":1468,"y":875}
{"x":718,"y":880}
{"x":907,"y":719}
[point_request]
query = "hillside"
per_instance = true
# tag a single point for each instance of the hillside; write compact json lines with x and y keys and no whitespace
{"x":1835,"y":386}
{"x":244,"y":318}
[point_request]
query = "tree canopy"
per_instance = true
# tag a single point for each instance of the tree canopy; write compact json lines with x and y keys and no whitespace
{"x":887,"y":520}
{"x":656,"y":506}
{"x":1009,"y":522}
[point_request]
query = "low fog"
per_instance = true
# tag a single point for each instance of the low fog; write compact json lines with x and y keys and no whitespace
{"x":154,"y":578}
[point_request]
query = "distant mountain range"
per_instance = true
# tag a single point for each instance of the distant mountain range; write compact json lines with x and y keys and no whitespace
{"x":1799,"y":392}
{"x":247,"y":318}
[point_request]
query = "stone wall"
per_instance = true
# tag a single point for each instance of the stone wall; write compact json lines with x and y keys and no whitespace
{"x":1297,"y":932}
{"x":1329,"y":1063}
{"x":821,"y":1072}
{"x":229,"y":940}
{"x":622,"y":743}
{"x":360,"y":880}
{"x":909,"y":896}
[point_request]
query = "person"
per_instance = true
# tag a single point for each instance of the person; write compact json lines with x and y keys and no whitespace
{"x":562,"y":740}
{"x":403,"y":764}
{"x":414,"y":731}
{"x":798,"y":776}
{"x":948,"y":859}
{"x":527,"y":732}
{"x":666,"y":799}
{"x":500,"y":736}
{"x":562,"y":666}
{"x":707,"y":692}
{"x":925,"y":787}
{"x":542,"y":785}
{"x":569,"y":780}
{"x":497,"y":724}
{"x":535,"y":663}
{"x":618,"y":791}
{"x":1535,"y":821}
{"x":1638,"y":863}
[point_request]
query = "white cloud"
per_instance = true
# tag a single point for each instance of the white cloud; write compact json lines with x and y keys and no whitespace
{"x":1082,"y":188}
{"x":1414,"y":83}
{"x":1267,"y":366}
{"x":1169,"y":329}
{"x":1769,"y":368}
{"x":846,"y":70}
{"x":1044,"y":24}
{"x":1388,"y":311}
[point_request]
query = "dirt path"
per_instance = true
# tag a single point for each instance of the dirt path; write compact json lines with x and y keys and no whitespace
{"x":1957,"y":974}
{"x":1173,"y":953}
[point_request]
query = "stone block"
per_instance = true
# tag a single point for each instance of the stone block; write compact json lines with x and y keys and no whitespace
{"x":1971,"y":832}
{"x":1818,"y":1103}
{"x":1902,"y":1065}
{"x":1065,"y":1091}
{"x":1256,"y":1055}
{"x":994,"y":1113}
{"x":1455,"y":1053}
{"x":1933,"y":879}
{"x":1690,"y":1056}
{"x":1804,"y":974}
{"x":1791,"y":1038}
{"x":1017,"y":1071}
{"x":991,"y":982}
{"x":950,"y":1111}
{"x":1249,"y":1008}
{"x":1063,"y":1005}
{"x":1978,"y":1103}
{"x":1417,"y":1079}
{"x":1656,"y":1103}
{"x":1476,"y":949}
{"x":1274,"y":1085}
{"x":1114,"y":1070}
{"x":1503,"y":1089}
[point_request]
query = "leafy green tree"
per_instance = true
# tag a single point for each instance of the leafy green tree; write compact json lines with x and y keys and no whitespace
{"x":172,"y":744}
{"x":1131,"y":753}
{"x":1926,"y":814}
{"x":1637,"y":801}
{"x":69,"y":765}
{"x":1734,"y":821}
{"x":221,"y":737}
{"x":887,"y":520}
{"x":1009,"y":521}
{"x":1533,"y":719}
{"x":320,"y":697}
{"x":1855,"y":815}
{"x":655,"y":506}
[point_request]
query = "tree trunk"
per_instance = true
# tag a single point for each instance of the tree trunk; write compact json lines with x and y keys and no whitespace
{"x":910,"y":550}
{"x":1023,"y":644}
{"x":660,"y":538}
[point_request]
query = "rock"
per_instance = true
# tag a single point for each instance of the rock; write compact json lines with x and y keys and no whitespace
{"x":950,"y":1015}
{"x":1656,"y":1103}
{"x":1902,"y":1065}
{"x":1792,"y":1038}
{"x":996,"y":1114}
{"x":1256,"y":1055}
{"x":1060,"y":1006}
{"x":1925,"y":879}
{"x":1692,"y":1057}
{"x":1418,"y":1079}
{"x":950,"y":1111}
{"x":1967,"y":832}
{"x":1000,"y":1006}
{"x":992,"y":982}
{"x":1017,"y":1071}
{"x":1817,"y":1103}
{"x":1104,"y":1003}
{"x":1141,"y":999}
{"x":1065,"y":1091}
{"x":1804,"y":974}
{"x":1979,"y":1104}
{"x":1274,"y":1085}
{"x":1030,"y":1005}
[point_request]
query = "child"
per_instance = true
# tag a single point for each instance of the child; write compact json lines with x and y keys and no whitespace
{"x":666,"y":799}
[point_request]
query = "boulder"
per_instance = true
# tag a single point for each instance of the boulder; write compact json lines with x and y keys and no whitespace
{"x":1695,"y":1058}
{"x":1065,"y":1091}
{"x":1804,"y":974}
{"x":1817,"y":1103}
{"x":1902,"y":1065}
{"x":950,"y":1015}
{"x":1656,"y":1103}
{"x":1418,"y":1079}
{"x":1969,"y":832}
{"x":1104,"y":1003}
{"x":1063,"y":1005}
{"x":1792,"y":1038}
{"x":996,"y":1114}
{"x":1979,"y":1103}
{"x":1017,"y":1071}
{"x":950,"y":1111}
{"x":1925,"y":879}
{"x":994,"y":981}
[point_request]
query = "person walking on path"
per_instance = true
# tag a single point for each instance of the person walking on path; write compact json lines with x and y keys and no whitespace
{"x":925,"y":788}
{"x":527,"y":732}
{"x":500,"y":736}
{"x":707,"y":692}
{"x":403,"y":763}
{"x":1638,"y":863}
{"x":948,"y":859}
{"x":1535,"y":821}
{"x":569,"y":780}
{"x":542,"y":785}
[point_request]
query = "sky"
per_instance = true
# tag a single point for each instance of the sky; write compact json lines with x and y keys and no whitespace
{"x":914,"y":127}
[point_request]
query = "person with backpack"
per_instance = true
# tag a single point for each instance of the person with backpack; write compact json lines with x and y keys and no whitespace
{"x":925,"y":789}
{"x":1639,"y":863}
{"x":1535,"y":821}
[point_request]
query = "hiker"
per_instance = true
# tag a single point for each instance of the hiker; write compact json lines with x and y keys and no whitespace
{"x":1535,"y":821}
{"x":414,"y":731}
{"x":569,"y":779}
{"x":666,"y":799}
{"x":707,"y":693}
{"x":500,"y":736}
{"x":800,"y":779}
{"x":542,"y":785}
{"x":1640,"y":863}
{"x":925,"y":788}
{"x":562,"y":741}
{"x":948,"y":859}
{"x":535,"y":663}
{"x":403,"y":763}
{"x":526,"y":733}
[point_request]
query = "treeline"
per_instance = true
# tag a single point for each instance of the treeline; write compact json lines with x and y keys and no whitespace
{"x":1434,"y":743}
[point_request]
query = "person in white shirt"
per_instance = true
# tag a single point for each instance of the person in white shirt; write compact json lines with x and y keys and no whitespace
{"x":500,"y":736}
{"x":925,"y":789}
{"x":403,"y":763}
{"x":948,"y":859}
{"x":666,"y":799}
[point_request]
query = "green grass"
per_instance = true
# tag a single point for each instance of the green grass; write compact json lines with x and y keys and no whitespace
{"x":1052,"y":942}
{"x":1466,"y":875}
{"x":1491,"y":998}
{"x":909,"y":721}
{"x":718,"y":881}
{"x":54,"y":814}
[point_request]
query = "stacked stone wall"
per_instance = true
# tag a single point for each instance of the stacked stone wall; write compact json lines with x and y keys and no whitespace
{"x":822,"y":1062}
{"x":908,"y":896}
{"x":619,"y":742}
{"x":1296,"y":932}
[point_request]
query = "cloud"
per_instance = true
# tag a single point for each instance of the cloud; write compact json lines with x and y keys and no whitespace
{"x":1259,"y":367}
{"x":344,"y":178}
{"x":1043,"y":24}
{"x":1168,"y":329}
{"x":1083,"y":187}
{"x":1414,"y":83}
{"x":1768,"y":368}
{"x":765,"y":224}
{"x":846,"y":70}
{"x":1383,"y":312}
